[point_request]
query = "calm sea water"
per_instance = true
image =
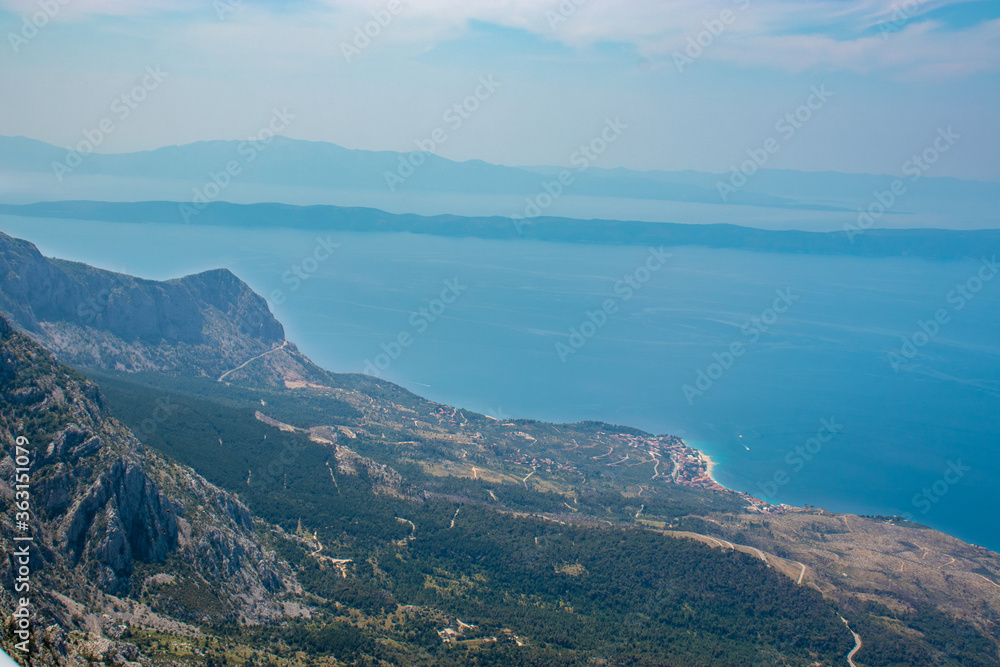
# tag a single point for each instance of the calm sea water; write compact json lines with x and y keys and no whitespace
{"x":810,"y":411}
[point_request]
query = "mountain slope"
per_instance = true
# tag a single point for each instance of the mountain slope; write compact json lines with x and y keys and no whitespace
{"x":471,"y":466}
{"x":138,"y":560}
{"x":486,"y":552}
{"x":206,"y":324}
{"x":119,"y":534}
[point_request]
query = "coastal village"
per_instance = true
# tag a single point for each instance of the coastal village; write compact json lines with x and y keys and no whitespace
{"x":673,"y":460}
{"x":690,"y":467}
{"x":530,"y":446}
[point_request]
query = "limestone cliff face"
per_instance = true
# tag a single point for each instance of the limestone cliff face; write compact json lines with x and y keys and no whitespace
{"x":114,"y":520}
{"x":202,"y":324}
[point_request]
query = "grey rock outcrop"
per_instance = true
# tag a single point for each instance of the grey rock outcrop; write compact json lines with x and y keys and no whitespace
{"x":202,"y":324}
{"x":103,"y":506}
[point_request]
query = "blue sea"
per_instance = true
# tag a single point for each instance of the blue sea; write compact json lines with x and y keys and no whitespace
{"x":859,"y":385}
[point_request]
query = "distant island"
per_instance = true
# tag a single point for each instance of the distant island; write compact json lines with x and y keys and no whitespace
{"x":924,"y":243}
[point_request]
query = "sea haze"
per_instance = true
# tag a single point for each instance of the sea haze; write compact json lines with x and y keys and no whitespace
{"x":309,"y":173}
{"x":824,"y":364}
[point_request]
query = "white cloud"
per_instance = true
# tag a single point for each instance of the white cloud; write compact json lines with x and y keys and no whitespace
{"x":917,"y":50}
{"x":787,"y":35}
{"x":77,"y":8}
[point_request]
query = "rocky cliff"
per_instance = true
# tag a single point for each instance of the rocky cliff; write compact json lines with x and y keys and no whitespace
{"x":114,"y":522}
{"x":205,"y":324}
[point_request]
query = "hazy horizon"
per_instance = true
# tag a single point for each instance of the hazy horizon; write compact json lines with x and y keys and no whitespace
{"x":849,"y":87}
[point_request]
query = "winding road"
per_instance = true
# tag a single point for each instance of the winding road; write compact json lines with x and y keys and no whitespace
{"x":413,"y":530}
{"x":275,"y":349}
{"x":857,"y":644}
{"x":741,"y":547}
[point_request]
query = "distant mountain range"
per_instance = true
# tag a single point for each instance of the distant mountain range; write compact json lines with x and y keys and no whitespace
{"x":291,"y":166}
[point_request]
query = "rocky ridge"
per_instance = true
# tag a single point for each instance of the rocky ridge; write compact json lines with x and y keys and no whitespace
{"x":205,"y":324}
{"x":112,"y":519}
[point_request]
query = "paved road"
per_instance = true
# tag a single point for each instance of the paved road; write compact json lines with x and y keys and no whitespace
{"x":280,"y":347}
{"x":857,"y":644}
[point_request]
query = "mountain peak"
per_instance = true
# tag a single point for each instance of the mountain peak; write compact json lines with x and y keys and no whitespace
{"x":210,"y":321}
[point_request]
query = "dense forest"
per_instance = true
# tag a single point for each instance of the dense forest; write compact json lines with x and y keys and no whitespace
{"x":443,"y":552}
{"x":564,"y":591}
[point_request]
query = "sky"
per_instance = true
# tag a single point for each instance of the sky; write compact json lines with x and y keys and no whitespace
{"x":841,"y":85}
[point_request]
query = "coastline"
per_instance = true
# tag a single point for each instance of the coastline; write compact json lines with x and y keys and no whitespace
{"x":710,"y":461}
{"x":707,"y":464}
{"x":710,"y":464}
